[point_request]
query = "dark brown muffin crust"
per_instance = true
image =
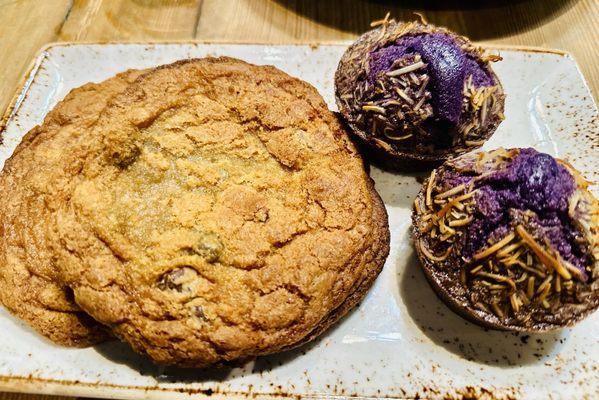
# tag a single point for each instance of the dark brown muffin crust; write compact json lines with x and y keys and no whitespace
{"x":544,"y":291}
{"x":394,"y":120}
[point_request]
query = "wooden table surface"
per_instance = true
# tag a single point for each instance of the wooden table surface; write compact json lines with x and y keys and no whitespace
{"x":27,"y":25}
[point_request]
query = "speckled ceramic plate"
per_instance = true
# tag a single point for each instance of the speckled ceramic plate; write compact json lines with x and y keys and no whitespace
{"x":401,"y":341}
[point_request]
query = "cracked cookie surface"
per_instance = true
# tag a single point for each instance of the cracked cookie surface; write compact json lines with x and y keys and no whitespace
{"x":221,"y":212}
{"x":32,"y":185}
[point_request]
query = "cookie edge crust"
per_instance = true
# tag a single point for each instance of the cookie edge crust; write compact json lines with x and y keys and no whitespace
{"x":381,"y":219}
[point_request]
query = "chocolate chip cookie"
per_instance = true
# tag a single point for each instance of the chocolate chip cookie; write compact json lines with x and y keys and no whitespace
{"x":220,"y":212}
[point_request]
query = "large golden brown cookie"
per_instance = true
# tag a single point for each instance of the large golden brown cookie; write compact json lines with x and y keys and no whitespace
{"x":221,"y":212}
{"x":32,"y":186}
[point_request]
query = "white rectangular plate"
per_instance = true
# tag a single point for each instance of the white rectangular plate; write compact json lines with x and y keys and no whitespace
{"x":401,"y":341}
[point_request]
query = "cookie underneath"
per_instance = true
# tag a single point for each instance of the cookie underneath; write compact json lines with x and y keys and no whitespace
{"x":33,"y":183}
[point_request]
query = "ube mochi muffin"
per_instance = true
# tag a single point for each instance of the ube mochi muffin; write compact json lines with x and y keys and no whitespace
{"x":416,"y":95}
{"x":509,"y":239}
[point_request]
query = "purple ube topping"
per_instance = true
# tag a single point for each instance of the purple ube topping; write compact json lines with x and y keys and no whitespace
{"x":533,"y":181}
{"x":448,"y":66}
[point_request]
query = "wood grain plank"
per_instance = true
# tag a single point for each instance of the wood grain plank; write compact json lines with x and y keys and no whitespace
{"x":569,"y":25}
{"x":22,"y":34}
{"x":19,"y":396}
{"x":101,"y":20}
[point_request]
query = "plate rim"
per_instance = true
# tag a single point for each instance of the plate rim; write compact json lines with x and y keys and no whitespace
{"x":25,"y":80}
{"x":49,"y":386}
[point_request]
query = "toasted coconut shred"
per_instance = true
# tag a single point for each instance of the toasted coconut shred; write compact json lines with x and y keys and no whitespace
{"x":399,"y":98}
{"x":518,"y":274}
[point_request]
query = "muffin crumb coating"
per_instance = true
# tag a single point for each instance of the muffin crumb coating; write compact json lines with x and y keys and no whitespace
{"x":513,"y":234}
{"x":416,"y":91}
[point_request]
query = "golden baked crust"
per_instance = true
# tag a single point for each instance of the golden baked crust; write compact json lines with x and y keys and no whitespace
{"x":221,"y":213}
{"x":377,"y":253}
{"x":32,"y":185}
